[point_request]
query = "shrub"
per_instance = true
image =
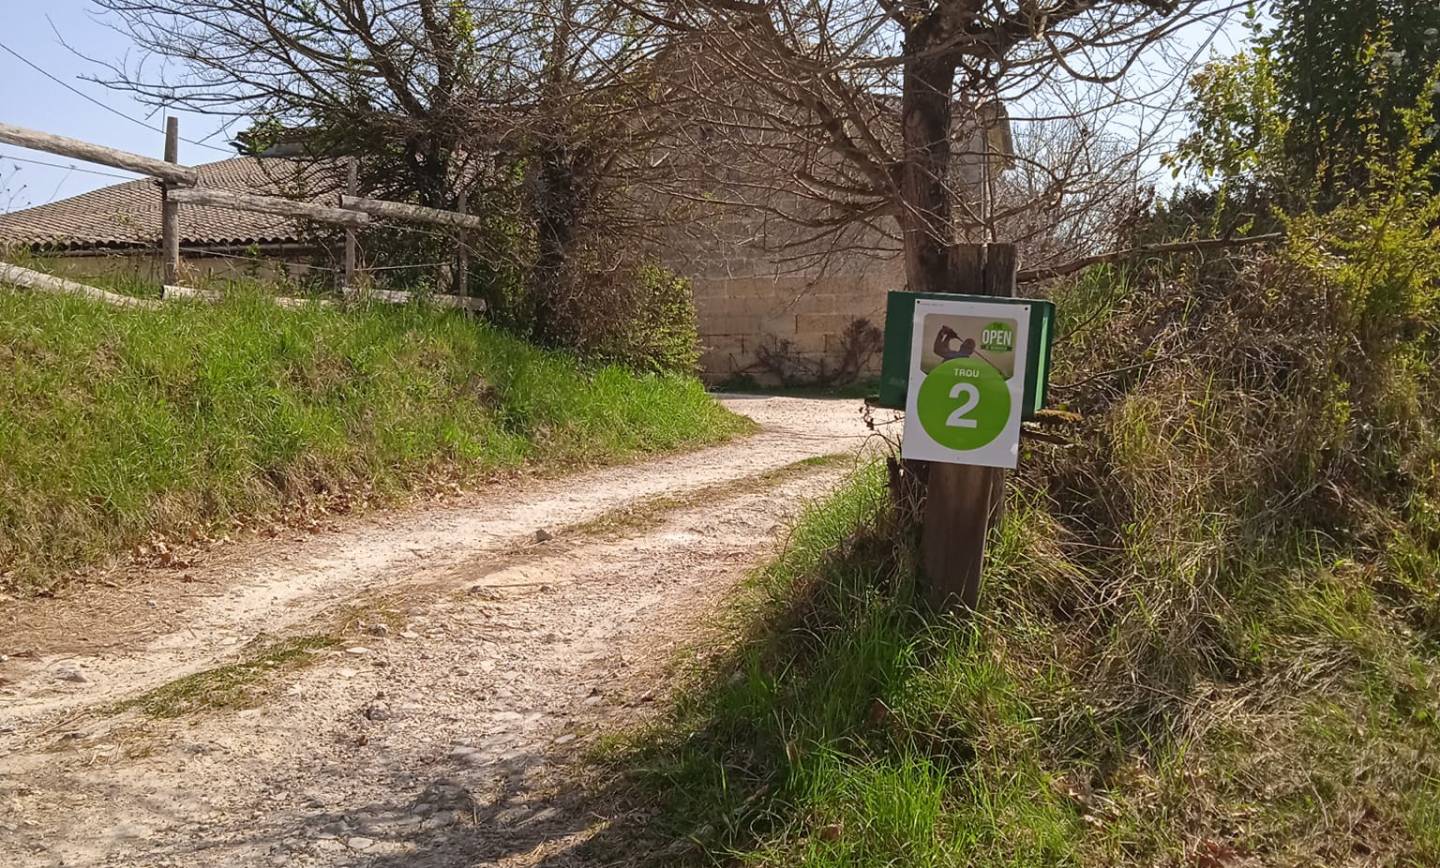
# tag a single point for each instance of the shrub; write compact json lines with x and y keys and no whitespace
{"x":615,"y":307}
{"x":1210,"y":629}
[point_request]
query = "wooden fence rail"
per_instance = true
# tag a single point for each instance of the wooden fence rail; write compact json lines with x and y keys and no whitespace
{"x":40,"y":282}
{"x":352,"y":296}
{"x":391,"y":296}
{"x":418,"y":213}
{"x":181,"y":187}
{"x":185,"y":293}
{"x":216,"y":198}
{"x":185,"y":176}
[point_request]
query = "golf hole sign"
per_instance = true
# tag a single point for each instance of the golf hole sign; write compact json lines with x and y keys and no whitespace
{"x":967,"y":382}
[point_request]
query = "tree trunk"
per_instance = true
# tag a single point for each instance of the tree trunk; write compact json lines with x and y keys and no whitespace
{"x":554,"y":226}
{"x":926,"y":221}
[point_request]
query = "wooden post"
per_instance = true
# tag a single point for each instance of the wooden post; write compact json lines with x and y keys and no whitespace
{"x":462,"y":264}
{"x":961,"y":500}
{"x":170,"y":210}
{"x":352,"y":182}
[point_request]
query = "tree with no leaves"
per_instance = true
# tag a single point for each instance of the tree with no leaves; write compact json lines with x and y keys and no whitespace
{"x":527,"y":105}
{"x":859,"y":101}
{"x":422,"y":89}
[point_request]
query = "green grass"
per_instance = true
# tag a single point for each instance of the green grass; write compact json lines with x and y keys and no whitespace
{"x":116,"y":425}
{"x":845,"y":729}
{"x":232,"y":686}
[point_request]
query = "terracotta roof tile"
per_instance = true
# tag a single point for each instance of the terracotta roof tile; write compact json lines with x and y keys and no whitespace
{"x":128,"y":215}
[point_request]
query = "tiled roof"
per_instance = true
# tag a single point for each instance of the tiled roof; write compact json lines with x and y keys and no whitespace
{"x":128,"y":215}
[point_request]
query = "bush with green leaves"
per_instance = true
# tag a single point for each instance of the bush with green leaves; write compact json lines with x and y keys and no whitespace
{"x":612,"y":306}
{"x":1294,"y":120}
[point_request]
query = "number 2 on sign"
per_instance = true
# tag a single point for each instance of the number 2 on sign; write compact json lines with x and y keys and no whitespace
{"x":972,"y":394}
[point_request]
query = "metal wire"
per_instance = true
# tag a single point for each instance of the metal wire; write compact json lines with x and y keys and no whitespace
{"x":221,"y":255}
{"x":73,"y":168}
{"x":88,"y":98}
{"x":394,"y":267}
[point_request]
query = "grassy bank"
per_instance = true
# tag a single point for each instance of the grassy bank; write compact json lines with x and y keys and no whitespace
{"x":845,"y":729}
{"x":116,"y":425}
{"x":1210,"y":629}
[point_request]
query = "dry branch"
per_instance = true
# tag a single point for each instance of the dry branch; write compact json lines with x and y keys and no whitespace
{"x":1034,"y":275}
{"x":24,"y":277}
{"x":66,"y":147}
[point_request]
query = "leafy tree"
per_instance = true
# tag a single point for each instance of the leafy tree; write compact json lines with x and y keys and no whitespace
{"x":1344,"y":72}
{"x":1296,"y":118}
{"x":1239,"y":130}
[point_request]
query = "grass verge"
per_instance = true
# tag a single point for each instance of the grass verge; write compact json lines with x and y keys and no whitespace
{"x":843,"y":728}
{"x":118,"y":425}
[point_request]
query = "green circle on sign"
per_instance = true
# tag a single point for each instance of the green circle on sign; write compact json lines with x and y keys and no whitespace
{"x":963,"y":404}
{"x":998,"y":337}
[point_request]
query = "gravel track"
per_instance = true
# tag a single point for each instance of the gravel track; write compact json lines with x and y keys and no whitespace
{"x":475,"y":656}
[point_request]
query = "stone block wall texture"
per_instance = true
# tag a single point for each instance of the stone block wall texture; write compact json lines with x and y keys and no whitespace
{"x":762,"y":282}
{"x":745,"y":308}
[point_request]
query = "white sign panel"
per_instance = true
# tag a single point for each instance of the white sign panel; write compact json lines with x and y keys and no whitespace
{"x":967,"y":382}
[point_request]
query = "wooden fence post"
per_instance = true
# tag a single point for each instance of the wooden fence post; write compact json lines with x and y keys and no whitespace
{"x":961,"y":500}
{"x":462,"y":265}
{"x":169,"y":210}
{"x":352,"y":182}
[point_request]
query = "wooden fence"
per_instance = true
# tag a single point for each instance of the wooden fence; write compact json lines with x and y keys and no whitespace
{"x":180,"y":185}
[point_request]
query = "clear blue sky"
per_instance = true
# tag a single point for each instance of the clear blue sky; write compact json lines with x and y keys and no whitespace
{"x":29,"y":99}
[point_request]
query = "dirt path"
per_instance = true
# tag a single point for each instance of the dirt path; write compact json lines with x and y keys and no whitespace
{"x":398,"y":690}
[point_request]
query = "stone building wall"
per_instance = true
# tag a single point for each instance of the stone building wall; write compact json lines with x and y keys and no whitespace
{"x":764,"y":316}
{"x":752,"y":324}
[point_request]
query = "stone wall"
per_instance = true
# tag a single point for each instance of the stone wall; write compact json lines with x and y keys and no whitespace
{"x":765,"y":293}
{"x":801,"y":320}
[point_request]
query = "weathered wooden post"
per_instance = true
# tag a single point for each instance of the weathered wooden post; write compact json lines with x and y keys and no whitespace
{"x":961,"y":500}
{"x":352,"y":183}
{"x":462,"y":265}
{"x":170,"y":210}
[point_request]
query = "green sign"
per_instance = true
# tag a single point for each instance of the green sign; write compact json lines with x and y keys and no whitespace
{"x":964,"y":404}
{"x":996,"y":337}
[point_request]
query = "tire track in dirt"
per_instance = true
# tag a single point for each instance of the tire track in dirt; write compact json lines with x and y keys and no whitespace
{"x":437,"y":744}
{"x":267,"y":588}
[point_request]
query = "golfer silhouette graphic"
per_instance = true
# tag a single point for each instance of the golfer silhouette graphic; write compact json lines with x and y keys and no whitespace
{"x":942,"y":345}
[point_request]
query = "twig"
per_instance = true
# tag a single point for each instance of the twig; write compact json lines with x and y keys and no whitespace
{"x":1035,"y":275}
